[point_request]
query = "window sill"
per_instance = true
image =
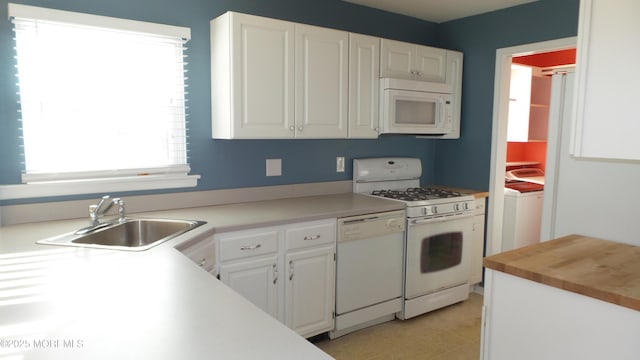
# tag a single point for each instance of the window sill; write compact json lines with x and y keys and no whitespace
{"x":92,"y":186}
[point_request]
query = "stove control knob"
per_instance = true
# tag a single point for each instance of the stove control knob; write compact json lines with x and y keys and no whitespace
{"x":434,"y":209}
{"x":456,"y":207}
{"x":466,"y":206}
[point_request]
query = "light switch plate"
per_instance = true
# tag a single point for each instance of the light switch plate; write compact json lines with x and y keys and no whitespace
{"x":274,"y":167}
{"x":340,"y":164}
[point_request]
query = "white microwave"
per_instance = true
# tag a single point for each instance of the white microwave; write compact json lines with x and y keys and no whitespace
{"x":415,"y":107}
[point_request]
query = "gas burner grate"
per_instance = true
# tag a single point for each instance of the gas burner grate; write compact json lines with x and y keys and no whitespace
{"x":435,"y":192}
{"x":396,"y":194}
{"x":417,"y":194}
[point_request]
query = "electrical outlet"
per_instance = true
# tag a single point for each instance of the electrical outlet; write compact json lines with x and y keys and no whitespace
{"x":340,"y":164}
{"x":274,"y":167}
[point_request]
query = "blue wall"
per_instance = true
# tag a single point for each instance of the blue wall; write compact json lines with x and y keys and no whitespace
{"x":240,"y":163}
{"x":466,"y":163}
{"x":231,"y":163}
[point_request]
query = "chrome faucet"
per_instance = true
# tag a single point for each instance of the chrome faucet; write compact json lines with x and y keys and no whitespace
{"x":98,"y":210}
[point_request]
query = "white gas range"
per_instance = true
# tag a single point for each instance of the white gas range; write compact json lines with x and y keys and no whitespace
{"x":438,"y":233}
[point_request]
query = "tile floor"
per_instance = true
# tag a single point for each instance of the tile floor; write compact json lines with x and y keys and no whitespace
{"x":450,"y":333}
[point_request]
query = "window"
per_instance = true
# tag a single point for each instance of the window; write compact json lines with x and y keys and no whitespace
{"x":102,"y":102}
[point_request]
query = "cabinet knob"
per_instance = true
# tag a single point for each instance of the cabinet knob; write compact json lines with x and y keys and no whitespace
{"x":292,"y":128}
{"x":299,"y":128}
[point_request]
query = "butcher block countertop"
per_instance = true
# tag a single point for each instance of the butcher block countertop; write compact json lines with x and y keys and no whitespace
{"x":476,"y":193}
{"x":601,"y":269}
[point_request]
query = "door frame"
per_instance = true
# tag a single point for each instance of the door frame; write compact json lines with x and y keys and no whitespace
{"x":499,"y":132}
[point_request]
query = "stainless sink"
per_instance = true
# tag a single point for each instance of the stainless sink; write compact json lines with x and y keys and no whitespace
{"x":130,"y":234}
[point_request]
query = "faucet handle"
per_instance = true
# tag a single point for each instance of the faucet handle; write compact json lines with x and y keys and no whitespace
{"x":121,"y":211}
{"x":103,"y":200}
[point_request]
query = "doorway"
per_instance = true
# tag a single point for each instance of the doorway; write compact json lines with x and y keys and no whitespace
{"x":504,"y":58}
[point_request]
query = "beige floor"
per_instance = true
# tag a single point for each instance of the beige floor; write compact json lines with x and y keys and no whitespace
{"x":450,"y":333}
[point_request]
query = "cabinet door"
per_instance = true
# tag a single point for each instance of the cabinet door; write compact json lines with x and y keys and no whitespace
{"x":309,"y":290}
{"x":454,"y":83}
{"x":606,"y":121}
{"x":256,"y":280}
{"x":478,"y":249}
{"x":397,"y":59}
{"x":263,"y":77}
{"x":364,"y":69}
{"x":321,"y":63}
{"x":430,"y":64}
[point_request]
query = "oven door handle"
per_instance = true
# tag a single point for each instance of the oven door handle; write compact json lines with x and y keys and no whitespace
{"x":435,"y":219}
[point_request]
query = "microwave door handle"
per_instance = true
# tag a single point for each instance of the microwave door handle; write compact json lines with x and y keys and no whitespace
{"x":441,"y":112}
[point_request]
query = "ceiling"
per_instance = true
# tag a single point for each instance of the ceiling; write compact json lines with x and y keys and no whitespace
{"x":439,"y":10}
{"x":548,"y":59}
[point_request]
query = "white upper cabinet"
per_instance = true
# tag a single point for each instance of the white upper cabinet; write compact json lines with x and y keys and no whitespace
{"x":321,"y":70}
{"x":252,"y":77}
{"x":403,"y":60}
{"x":606,"y":122}
{"x":277,"y":79}
{"x":364,"y":85}
{"x":454,"y":81}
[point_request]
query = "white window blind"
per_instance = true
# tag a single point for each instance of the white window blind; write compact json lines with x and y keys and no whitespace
{"x":100,"y":97}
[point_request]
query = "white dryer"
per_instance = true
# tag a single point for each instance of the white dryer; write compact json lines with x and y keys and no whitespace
{"x":522,"y":215}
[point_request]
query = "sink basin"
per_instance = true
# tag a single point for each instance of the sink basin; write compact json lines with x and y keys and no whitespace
{"x":131,"y":234}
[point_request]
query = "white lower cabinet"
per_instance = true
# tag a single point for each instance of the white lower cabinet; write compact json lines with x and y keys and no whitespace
{"x":256,"y":280}
{"x":288,"y":271}
{"x":478,"y":242}
{"x":309,"y":292}
{"x":527,"y":320}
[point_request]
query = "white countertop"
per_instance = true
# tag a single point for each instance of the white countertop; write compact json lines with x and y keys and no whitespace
{"x":80,"y":303}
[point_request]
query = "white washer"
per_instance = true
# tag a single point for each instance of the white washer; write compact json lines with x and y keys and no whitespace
{"x":532,"y":175}
{"x":522,"y":215}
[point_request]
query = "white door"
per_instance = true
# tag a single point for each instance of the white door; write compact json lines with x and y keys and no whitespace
{"x":256,"y":280}
{"x":430,"y":64}
{"x":309,"y":290}
{"x":364,"y":69}
{"x":263,"y":77}
{"x":397,"y":59}
{"x":321,"y":58}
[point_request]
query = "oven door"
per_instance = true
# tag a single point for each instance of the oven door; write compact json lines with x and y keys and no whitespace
{"x":438,"y":253}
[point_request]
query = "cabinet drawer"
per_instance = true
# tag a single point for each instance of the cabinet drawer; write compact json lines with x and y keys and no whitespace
{"x":246,"y":244}
{"x":311,"y":234}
